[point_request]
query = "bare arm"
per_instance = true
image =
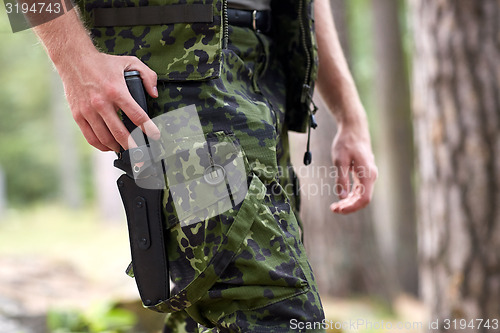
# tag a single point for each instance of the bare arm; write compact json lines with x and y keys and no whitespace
{"x":351,"y":148}
{"x":94,"y":83}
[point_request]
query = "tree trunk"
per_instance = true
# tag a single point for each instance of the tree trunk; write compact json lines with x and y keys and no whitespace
{"x":457,"y":131}
{"x":394,"y":200}
{"x":342,"y":249}
{"x":3,"y":194}
{"x":69,"y":166}
{"x":339,"y":12}
{"x":107,"y":195}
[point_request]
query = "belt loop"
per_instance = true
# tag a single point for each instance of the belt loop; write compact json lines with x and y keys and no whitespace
{"x":254,"y":20}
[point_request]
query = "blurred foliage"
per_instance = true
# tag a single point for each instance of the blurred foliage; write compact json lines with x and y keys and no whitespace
{"x":101,"y":318}
{"x":362,"y":50}
{"x":28,"y":149}
{"x":361,"y":39}
{"x":26,"y":141}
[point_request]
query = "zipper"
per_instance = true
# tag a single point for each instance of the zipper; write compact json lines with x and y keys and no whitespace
{"x":225,"y":33}
{"x":306,"y":87}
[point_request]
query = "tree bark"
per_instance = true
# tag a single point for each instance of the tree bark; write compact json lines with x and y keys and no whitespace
{"x":3,"y":193}
{"x":394,"y":201}
{"x":108,"y":198}
{"x":69,"y":166}
{"x":342,"y":250}
{"x":339,"y":12}
{"x":457,"y":131}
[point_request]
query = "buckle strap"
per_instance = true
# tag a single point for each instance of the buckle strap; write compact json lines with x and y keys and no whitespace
{"x":153,"y":15}
{"x":233,"y":240}
{"x":257,"y":20}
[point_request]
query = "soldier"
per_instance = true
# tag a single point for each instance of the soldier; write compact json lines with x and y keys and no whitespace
{"x":249,"y":67}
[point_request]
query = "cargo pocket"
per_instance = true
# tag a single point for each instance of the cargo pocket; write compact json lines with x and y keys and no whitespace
{"x":209,"y":201}
{"x":210,"y":267}
{"x":269,"y":267}
{"x":206,"y":175}
{"x":179,"y":40}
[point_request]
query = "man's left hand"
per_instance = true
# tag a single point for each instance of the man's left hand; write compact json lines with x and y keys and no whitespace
{"x":352,"y":156}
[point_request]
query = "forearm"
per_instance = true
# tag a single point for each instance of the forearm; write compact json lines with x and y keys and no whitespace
{"x":335,"y":82}
{"x":94,"y":83}
{"x":66,"y":41}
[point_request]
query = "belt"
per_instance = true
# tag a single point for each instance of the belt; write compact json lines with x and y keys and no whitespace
{"x":257,"y":20}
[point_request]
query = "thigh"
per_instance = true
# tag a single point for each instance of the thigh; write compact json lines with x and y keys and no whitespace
{"x":267,"y":275}
{"x":233,"y":107}
{"x":295,"y":314}
{"x":269,"y":283}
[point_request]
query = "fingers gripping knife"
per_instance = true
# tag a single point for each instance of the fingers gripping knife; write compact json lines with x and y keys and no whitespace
{"x":143,"y":207}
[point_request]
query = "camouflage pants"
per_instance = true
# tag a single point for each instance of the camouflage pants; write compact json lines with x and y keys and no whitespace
{"x":246,"y":269}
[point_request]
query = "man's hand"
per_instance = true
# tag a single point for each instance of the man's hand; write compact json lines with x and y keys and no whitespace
{"x":352,"y":156}
{"x":94,"y":83}
{"x":97,"y":90}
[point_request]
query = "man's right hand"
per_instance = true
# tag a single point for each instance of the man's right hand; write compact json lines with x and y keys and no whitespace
{"x":94,"y":83}
{"x":96,"y":91}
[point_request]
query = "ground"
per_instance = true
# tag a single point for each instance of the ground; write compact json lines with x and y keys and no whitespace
{"x":55,"y":260}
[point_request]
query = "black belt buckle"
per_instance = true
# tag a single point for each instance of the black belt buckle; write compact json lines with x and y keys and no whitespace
{"x":261,"y":21}
{"x":257,"y":20}
{"x":254,"y":21}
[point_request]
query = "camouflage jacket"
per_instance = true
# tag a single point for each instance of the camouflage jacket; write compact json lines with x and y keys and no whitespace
{"x":190,"y":47}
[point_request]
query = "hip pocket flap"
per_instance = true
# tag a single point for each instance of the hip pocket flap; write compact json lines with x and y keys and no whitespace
{"x":206,"y":175}
{"x":179,"y":40}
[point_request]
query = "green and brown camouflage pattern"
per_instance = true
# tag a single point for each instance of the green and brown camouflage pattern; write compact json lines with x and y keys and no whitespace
{"x":268,"y":263}
{"x":245,"y":269}
{"x":294,"y":34}
{"x":206,"y":174}
{"x":179,"y":52}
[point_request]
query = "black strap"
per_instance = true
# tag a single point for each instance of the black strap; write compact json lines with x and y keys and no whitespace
{"x":143,"y":208}
{"x":153,"y":15}
{"x":257,"y":20}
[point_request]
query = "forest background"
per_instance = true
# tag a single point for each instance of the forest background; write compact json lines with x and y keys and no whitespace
{"x":424,"y":253}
